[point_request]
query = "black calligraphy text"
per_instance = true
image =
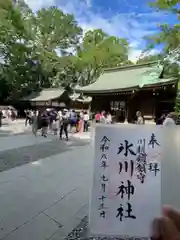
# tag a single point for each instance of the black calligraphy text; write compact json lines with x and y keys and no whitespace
{"x":154,"y":167}
{"x":127,"y":166}
{"x":104,"y":144}
{"x":153,"y":141}
{"x":126,"y":190}
{"x":120,"y":212}
{"x":127,"y":148}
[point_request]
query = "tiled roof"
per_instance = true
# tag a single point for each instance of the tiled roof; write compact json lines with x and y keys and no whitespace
{"x":126,"y":78}
{"x":45,"y":95}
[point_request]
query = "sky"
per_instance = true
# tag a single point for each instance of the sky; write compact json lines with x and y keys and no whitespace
{"x":130,"y":19}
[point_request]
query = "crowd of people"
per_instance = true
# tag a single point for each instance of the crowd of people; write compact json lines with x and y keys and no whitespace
{"x":103,"y":117}
{"x":165,"y":119}
{"x":62,"y":121}
{"x":8,"y":113}
{"x":169,"y":119}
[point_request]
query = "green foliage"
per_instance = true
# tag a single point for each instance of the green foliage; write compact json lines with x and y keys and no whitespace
{"x":170,"y":5}
{"x":177,"y":103}
{"x":169,"y":35}
{"x":149,"y":58}
{"x":98,"y":51}
{"x":34,"y":50}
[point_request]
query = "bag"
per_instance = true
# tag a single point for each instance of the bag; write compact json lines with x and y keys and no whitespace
{"x":65,"y":120}
{"x":39,"y":125}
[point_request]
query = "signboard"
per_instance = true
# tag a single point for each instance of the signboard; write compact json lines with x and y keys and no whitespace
{"x":126,"y":193}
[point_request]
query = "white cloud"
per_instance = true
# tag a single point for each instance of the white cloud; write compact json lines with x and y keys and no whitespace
{"x":123,"y":25}
{"x":135,"y":54}
{"x":37,"y":4}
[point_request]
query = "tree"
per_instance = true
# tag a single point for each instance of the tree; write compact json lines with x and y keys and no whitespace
{"x":108,"y":51}
{"x":13,"y":50}
{"x":29,"y":44}
{"x":149,"y":58}
{"x":35,"y":52}
{"x":97,"y":51}
{"x":56,"y":32}
{"x":177,"y":103}
{"x":169,"y":36}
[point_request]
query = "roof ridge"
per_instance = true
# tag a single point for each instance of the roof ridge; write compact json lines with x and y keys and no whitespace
{"x":127,"y":67}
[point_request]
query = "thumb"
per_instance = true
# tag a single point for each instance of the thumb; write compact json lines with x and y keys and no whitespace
{"x":172,"y":214}
{"x":164,"y":228}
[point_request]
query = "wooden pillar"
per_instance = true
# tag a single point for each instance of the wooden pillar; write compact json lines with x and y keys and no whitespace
{"x":127,"y":109}
{"x":89,"y":107}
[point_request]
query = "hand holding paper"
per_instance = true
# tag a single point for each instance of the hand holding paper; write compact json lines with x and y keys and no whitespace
{"x":168,"y":226}
{"x":126,"y":193}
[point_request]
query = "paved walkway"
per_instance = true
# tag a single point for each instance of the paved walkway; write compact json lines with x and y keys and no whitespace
{"x":48,"y":197}
{"x":18,"y":127}
{"x":11,"y":142}
{"x":13,"y":127}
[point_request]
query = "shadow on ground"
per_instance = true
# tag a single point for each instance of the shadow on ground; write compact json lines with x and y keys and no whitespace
{"x":4,"y":133}
{"x":23,"y":155}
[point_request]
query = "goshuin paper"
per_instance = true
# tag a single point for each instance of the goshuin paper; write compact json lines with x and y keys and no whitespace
{"x":126,"y":192}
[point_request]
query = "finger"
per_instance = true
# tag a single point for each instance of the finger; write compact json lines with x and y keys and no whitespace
{"x":156,"y":229}
{"x":166,"y":229}
{"x":173,"y":214}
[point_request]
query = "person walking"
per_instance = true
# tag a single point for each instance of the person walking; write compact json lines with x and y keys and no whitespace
{"x":64,"y":122}
{"x":86,"y":121}
{"x":34,"y":123}
{"x":78,"y":122}
{"x":55,"y":125}
{"x":81,"y":122}
{"x":97,"y":117}
{"x":44,"y":123}
{"x":73,"y":119}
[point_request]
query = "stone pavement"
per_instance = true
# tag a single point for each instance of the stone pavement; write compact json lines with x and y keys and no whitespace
{"x":47,"y":195}
{"x":13,"y":127}
{"x":18,"y":127}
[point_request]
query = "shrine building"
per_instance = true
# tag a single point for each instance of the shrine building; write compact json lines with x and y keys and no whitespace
{"x":125,"y":90}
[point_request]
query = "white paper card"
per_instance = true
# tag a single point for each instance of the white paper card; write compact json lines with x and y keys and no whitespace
{"x":126,"y":192}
